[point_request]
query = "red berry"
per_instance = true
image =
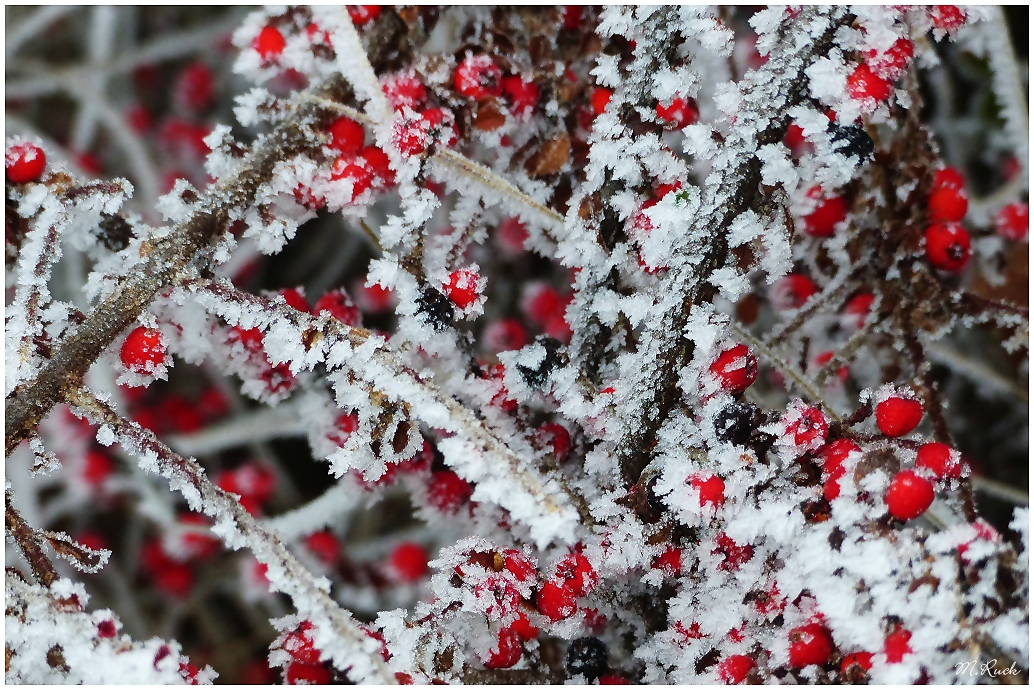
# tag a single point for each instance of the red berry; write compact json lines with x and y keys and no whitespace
{"x":97,"y":467}
{"x":519,"y":565}
{"x":194,"y":87}
{"x":810,"y":645}
{"x":344,"y":426}
{"x":711,"y":489}
{"x":733,"y":669}
{"x":670,"y":561}
{"x":523,"y":627}
{"x":794,"y":139}
{"x":807,"y":425}
{"x":295,"y":299}
{"x":504,"y":335}
{"x":909,"y":495}
{"x":298,"y":673}
{"x":736,"y":369}
{"x":477,"y":76}
{"x":556,"y":601}
{"x":862,"y":660}
{"x":507,"y":651}
{"x":947,"y":204}
{"x":559,"y":439}
{"x":412,"y":137}
{"x":833,"y":455}
{"x":572,"y":17}
{"x":897,"y":416}
{"x":462,"y":288}
{"x":948,"y":177}
{"x":941,"y":459}
{"x":735,"y":555}
{"x":896,"y":645}
{"x":106,"y":629}
{"x":378,"y":163}
{"x":363,"y":14}
{"x":860,"y":305}
{"x":947,"y":247}
{"x":792,"y":291}
{"x":24,"y":162}
{"x":511,"y":236}
{"x":680,"y":112}
{"x":577,"y":573}
{"x":599,"y":99}
{"x":299,"y":645}
{"x":947,"y":17}
{"x":827,"y":215}
{"x":447,"y":491}
{"x":360,"y":176}
{"x":1013,"y":222}
{"x":325,"y":545}
{"x":194,"y":544}
{"x":523,"y":95}
{"x":338,"y":304}
{"x":251,"y":481}
{"x":347,"y":136}
{"x":404,"y":90}
{"x":542,"y":302}
{"x":864,"y":84}
{"x":249,"y":338}
{"x":409,"y":561}
{"x":891,"y":64}
{"x":270,"y":43}
{"x":143,"y":350}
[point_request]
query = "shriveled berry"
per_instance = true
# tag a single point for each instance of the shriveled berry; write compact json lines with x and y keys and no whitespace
{"x":477,"y":76}
{"x":827,"y":215}
{"x":269,"y":43}
{"x":106,"y":629}
{"x":864,"y":84}
{"x":587,"y":656}
{"x":810,"y":645}
{"x":556,"y":601}
{"x":735,"y":368}
{"x":1013,"y":222}
{"x":909,"y":495}
{"x":347,"y":136}
{"x":947,"y":204}
{"x":447,"y":491}
{"x":711,"y":489}
{"x":941,"y":459}
{"x":733,"y":669}
{"x":435,"y":308}
{"x":143,"y":350}
{"x":338,"y":304}
{"x":948,"y":247}
{"x":851,"y":140}
{"x":462,"y":288}
{"x":507,"y":651}
{"x":735,"y":423}
{"x":24,"y":162}
{"x":679,"y":113}
{"x":898,"y":415}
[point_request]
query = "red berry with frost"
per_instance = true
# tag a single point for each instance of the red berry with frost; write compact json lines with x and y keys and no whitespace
{"x":338,"y":304}
{"x":523,"y":627}
{"x":477,"y":76}
{"x":864,"y":84}
{"x":505,"y":335}
{"x":577,"y":573}
{"x":807,"y":426}
{"x":733,"y":555}
{"x":909,"y":495}
{"x":733,"y":669}
{"x":1013,"y":222}
{"x":106,"y":629}
{"x":24,"y":162}
{"x":711,"y":489}
{"x":948,"y":177}
{"x":810,"y":645}
{"x":599,"y":99}
{"x":859,"y":306}
{"x":670,"y":561}
{"x":896,"y":646}
{"x":897,"y":415}
{"x":947,"y":204}
{"x":404,"y":90}
{"x":346,"y":136}
{"x":519,"y":565}
{"x":409,"y":561}
{"x":462,"y":288}
{"x":354,"y":171}
{"x":827,"y":215}
{"x":947,"y":17}
{"x":363,"y":14}
{"x":941,"y":459}
{"x":792,"y":291}
{"x":679,"y":113}
{"x":298,"y":673}
{"x":860,"y":660}
{"x":299,"y":645}
{"x":325,"y":546}
{"x":507,"y":650}
{"x":948,"y":247}
{"x":498,"y":595}
{"x":832,"y":456}
{"x":295,"y":299}
{"x":558,"y":438}
{"x":378,"y":163}
{"x":891,"y":64}
{"x":345,"y":425}
{"x":269,"y":43}
{"x":556,"y":601}
{"x":736,"y":369}
{"x":143,"y":350}
{"x":522,"y":95}
{"x":446,"y":491}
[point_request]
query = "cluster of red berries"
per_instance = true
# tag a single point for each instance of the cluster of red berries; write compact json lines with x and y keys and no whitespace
{"x":168,"y":561}
{"x":305,"y":667}
{"x":947,"y":242}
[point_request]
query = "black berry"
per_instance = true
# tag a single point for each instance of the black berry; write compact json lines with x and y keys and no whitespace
{"x":537,"y":377}
{"x":435,"y":308}
{"x":851,"y":141}
{"x":735,"y":423}
{"x":587,"y":656}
